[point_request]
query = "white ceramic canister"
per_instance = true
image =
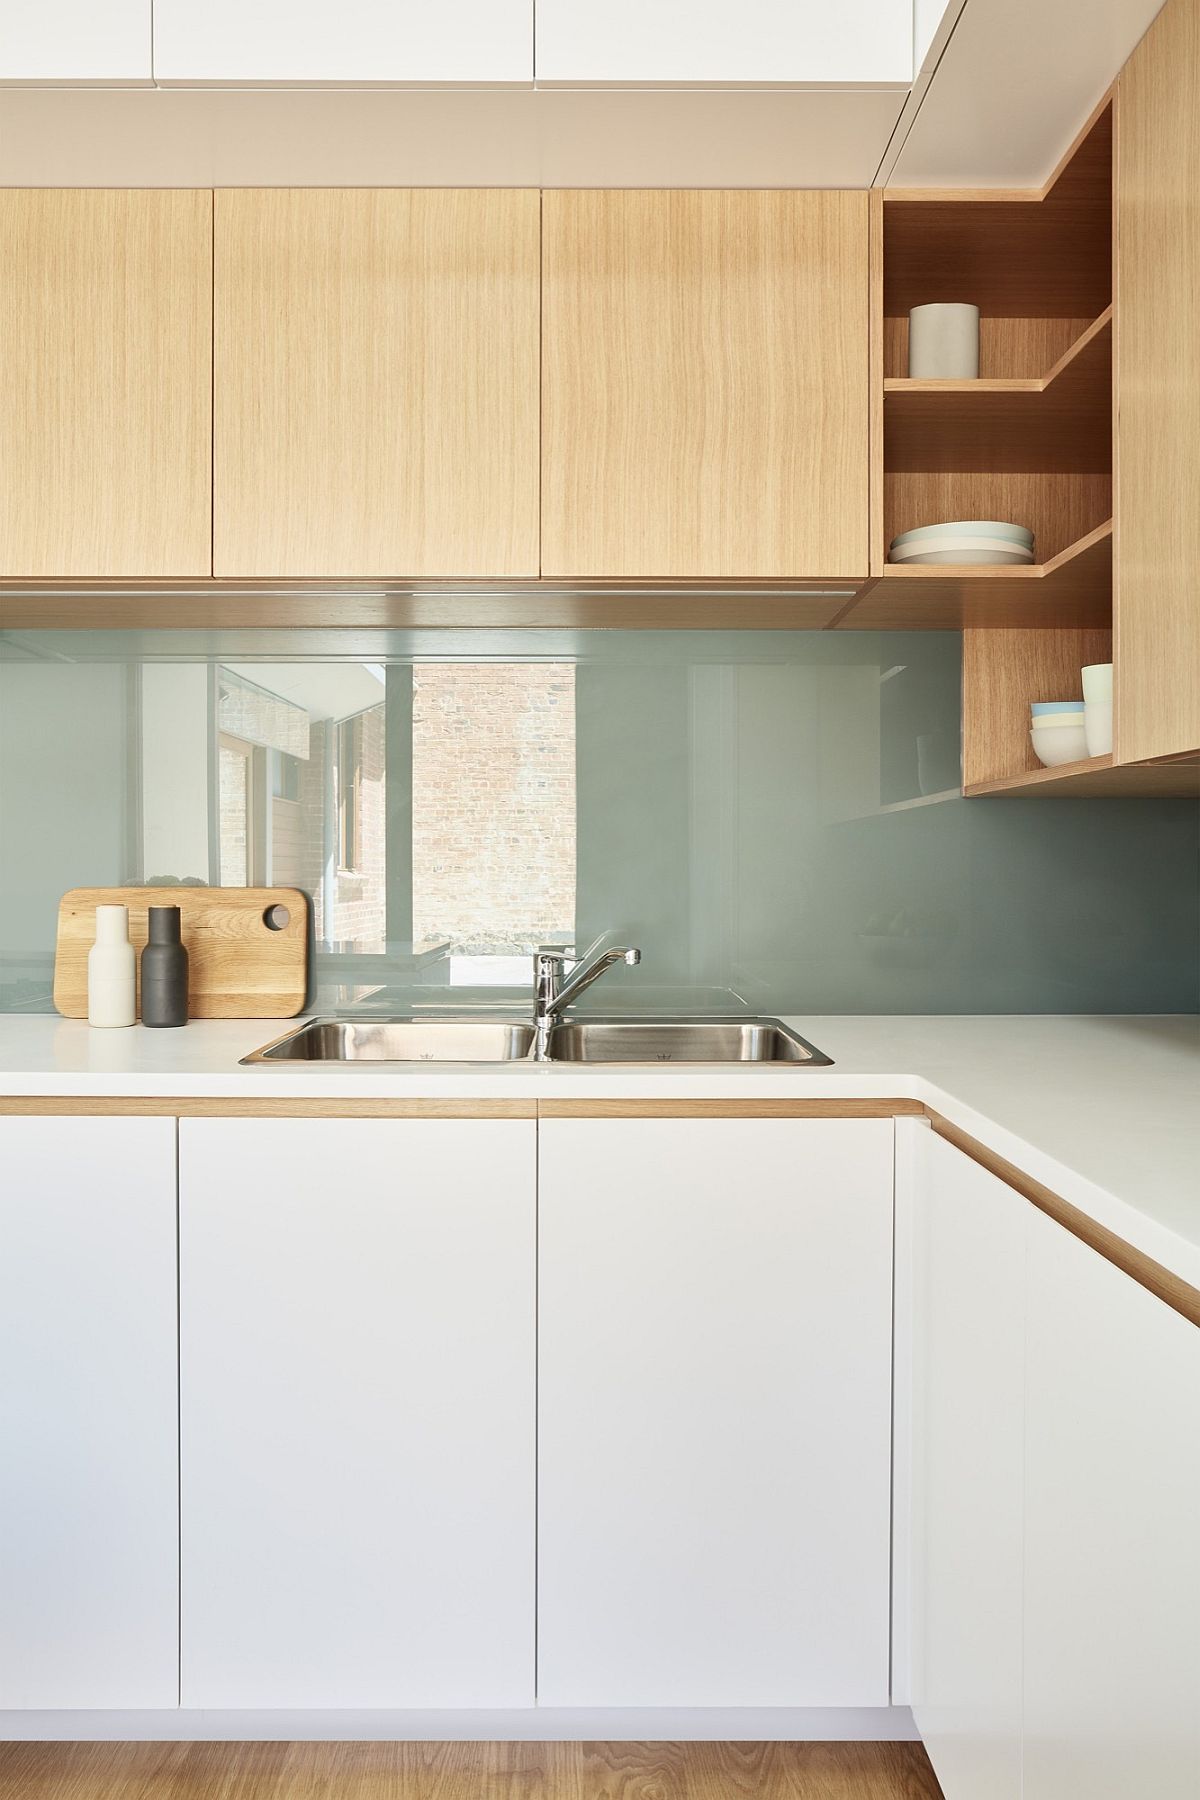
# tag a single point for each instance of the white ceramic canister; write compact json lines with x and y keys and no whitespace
{"x":1097,"y":726}
{"x":1097,"y":681}
{"x":112,"y":970}
{"x":943,"y":342}
{"x":1098,"y":708}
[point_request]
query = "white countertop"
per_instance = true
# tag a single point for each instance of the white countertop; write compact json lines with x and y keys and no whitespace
{"x":1104,"y":1110}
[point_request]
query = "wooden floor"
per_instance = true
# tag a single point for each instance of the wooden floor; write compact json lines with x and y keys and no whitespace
{"x":306,"y":1771}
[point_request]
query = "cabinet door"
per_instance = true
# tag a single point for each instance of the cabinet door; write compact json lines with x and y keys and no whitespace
{"x":1156,"y":618}
{"x":968,"y":1325}
{"x":357,"y":1412}
{"x":54,"y":41}
{"x":1112,"y":1551}
{"x":725,"y":43}
{"x":88,"y":1395}
{"x":704,"y":384}
{"x":376,"y":382}
{"x":714,"y":1368}
{"x":105,"y":382}
{"x":318,"y":43}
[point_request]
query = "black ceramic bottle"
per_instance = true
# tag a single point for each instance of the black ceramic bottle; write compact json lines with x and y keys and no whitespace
{"x":164,"y":970}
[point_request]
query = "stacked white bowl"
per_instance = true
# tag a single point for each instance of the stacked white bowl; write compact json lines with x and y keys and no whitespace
{"x":1058,"y":735}
{"x":1097,"y":708}
{"x":965,"y":541}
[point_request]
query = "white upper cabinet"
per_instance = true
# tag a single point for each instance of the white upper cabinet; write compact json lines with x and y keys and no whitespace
{"x":97,"y":41}
{"x":933,"y":21}
{"x":312,"y":43}
{"x":725,"y":43}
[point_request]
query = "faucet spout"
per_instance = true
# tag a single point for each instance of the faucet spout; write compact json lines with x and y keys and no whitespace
{"x":555,"y":990}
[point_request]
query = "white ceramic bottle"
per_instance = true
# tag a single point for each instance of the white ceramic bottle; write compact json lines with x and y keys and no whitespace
{"x":112,"y":970}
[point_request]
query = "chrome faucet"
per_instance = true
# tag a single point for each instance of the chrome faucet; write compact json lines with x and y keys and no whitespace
{"x":554,"y":990}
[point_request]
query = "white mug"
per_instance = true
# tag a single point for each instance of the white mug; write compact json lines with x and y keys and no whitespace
{"x":1097,"y":726}
{"x":1097,"y":681}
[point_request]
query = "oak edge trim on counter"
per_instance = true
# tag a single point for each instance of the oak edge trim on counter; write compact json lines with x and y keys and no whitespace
{"x":1171,"y":1289}
{"x":243,"y":1106}
{"x":328,"y":1106}
{"x":806,"y":1108}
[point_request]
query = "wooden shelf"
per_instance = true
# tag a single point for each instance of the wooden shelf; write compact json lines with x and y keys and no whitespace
{"x":1060,"y":422}
{"x":1073,"y":589}
{"x":1098,"y":778}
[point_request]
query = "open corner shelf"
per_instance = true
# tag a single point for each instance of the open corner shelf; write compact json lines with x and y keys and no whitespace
{"x":1072,"y":590}
{"x":1097,"y":778}
{"x":1061,"y":421}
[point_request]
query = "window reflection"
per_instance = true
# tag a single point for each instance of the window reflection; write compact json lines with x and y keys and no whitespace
{"x":477,"y":861}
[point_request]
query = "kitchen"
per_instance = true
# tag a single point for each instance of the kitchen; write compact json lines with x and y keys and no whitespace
{"x":612,"y":1203}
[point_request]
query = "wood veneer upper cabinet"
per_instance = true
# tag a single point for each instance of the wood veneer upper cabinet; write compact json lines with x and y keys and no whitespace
{"x":376,"y":382}
{"x":1156,"y":611}
{"x":705,"y":392}
{"x":105,"y":382}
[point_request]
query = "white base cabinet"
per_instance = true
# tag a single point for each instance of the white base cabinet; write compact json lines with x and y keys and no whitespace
{"x":1055,"y":1564}
{"x":968,"y":1382}
{"x":1112,"y":1533}
{"x":357,"y":1319}
{"x":88,"y":1473}
{"x":714,"y":1412}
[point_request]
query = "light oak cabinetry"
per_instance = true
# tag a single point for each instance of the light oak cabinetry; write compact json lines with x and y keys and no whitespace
{"x":89,"y":1566}
{"x":105,"y":382}
{"x":376,"y":382}
{"x":357,"y":1329}
{"x":1157,"y":609}
{"x":319,"y":43}
{"x":715,"y":1312}
{"x":1082,"y":425}
{"x":1056,"y":1485}
{"x":722,"y":43}
{"x":705,"y":384}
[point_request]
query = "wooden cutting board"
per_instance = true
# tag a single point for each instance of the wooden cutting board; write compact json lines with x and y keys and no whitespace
{"x":239,"y":967}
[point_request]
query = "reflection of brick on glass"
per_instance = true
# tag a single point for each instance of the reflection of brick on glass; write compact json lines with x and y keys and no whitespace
{"x":493,"y":804}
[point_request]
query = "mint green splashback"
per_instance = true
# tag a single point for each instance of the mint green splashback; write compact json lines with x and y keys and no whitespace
{"x":770,"y":816}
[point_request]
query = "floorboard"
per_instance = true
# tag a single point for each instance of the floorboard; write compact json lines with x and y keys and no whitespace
{"x":456,"y":1771}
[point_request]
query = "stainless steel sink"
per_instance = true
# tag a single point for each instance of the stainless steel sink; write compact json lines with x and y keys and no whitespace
{"x":401,"y":1040}
{"x":679,"y":1040}
{"x":574,"y":1041}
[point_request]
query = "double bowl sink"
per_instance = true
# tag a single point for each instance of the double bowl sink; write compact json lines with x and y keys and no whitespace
{"x":572,"y":1041}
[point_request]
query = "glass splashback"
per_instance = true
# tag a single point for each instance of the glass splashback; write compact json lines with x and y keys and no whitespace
{"x":772,"y":817}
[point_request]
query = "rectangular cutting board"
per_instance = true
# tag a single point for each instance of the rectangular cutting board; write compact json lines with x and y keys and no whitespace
{"x":238,"y":966}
